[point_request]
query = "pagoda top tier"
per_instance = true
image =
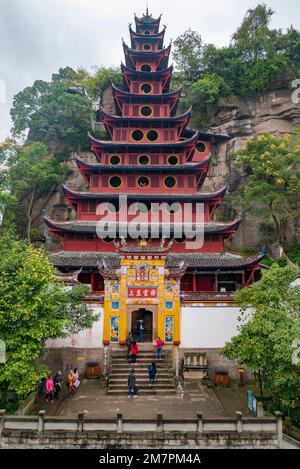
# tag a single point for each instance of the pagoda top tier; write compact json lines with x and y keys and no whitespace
{"x":147,"y":24}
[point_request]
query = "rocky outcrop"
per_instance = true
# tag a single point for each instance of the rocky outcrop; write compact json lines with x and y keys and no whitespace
{"x":242,"y":118}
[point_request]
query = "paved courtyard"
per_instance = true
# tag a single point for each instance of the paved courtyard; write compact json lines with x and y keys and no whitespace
{"x":189,"y":400}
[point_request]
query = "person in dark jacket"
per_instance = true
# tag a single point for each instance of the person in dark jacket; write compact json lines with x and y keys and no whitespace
{"x":152,"y":373}
{"x":129,"y":343}
{"x":132,"y":388}
{"x":57,"y":380}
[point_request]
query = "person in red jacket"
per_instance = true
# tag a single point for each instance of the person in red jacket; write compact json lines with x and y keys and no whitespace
{"x":134,"y":351}
{"x":159,"y":346}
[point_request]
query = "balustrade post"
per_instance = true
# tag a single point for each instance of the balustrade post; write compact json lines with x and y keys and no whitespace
{"x":279,"y":429}
{"x":2,"y":421}
{"x":239,"y":422}
{"x":80,"y":421}
{"x":119,"y":423}
{"x":200,"y":425}
{"x":41,"y":422}
{"x":159,"y":423}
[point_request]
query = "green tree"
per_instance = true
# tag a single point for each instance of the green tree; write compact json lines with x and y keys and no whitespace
{"x":187,"y":53}
{"x":58,"y":113}
{"x":271,"y":182}
{"x":253,"y":38}
{"x":31,"y":174}
{"x":103,"y":78}
{"x":34,"y":307}
{"x":269,"y":329}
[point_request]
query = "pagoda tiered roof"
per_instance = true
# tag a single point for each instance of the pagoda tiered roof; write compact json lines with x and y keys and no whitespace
{"x":164,"y":76}
{"x":110,"y":121}
{"x":196,"y":196}
{"x":184,"y":145}
{"x":206,"y":136}
{"x":91,"y":168}
{"x":171,"y":97}
{"x":162,"y":56}
{"x":157,"y":37}
{"x":148,"y":21}
{"x":90,"y":227}
{"x":206,"y":261}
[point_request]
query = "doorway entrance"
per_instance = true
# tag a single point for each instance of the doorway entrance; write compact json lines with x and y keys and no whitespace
{"x":146,"y":316}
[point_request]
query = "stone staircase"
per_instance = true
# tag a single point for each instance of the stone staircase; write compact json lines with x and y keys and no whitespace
{"x":120,"y":367}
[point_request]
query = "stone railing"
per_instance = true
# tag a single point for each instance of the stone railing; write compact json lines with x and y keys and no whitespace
{"x":208,"y":296}
{"x":247,"y":432}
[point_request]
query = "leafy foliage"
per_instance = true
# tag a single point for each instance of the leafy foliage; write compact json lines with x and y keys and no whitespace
{"x":187,"y":54}
{"x":58,"y":113}
{"x":268,"y":333}
{"x":103,"y":78}
{"x":30,"y":174}
{"x":34,"y":307}
{"x":271,"y":185}
{"x":256,"y":56}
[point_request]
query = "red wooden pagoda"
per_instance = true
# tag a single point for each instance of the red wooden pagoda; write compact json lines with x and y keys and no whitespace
{"x":151,"y":157}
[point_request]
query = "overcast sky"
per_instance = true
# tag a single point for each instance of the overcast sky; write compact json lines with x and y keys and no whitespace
{"x":39,"y":36}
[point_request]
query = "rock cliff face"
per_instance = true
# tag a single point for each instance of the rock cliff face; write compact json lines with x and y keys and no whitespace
{"x":242,"y":118}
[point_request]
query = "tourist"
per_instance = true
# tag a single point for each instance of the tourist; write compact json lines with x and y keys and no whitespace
{"x":41,"y":386}
{"x":57,"y":385}
{"x":152,"y":373}
{"x":133,"y":352}
{"x":76,"y":381}
{"x":141,"y":330}
{"x":159,"y":346}
{"x":132,"y":387}
{"x":49,"y":387}
{"x":70,"y":382}
{"x":129,"y":343}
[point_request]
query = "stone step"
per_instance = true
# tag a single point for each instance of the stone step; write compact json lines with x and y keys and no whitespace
{"x":139,"y":359}
{"x":120,"y":353}
{"x":124,"y":386}
{"x":140,"y":374}
{"x":140,"y":379}
{"x":138,"y":368}
{"x":150,"y":391}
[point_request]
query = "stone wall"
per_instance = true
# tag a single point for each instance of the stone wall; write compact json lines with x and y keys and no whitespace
{"x":59,"y":432}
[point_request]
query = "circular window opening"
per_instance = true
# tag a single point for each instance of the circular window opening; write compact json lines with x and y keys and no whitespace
{"x":152,"y":135}
{"x":115,"y":159}
{"x":144,"y":159}
{"x":201,"y":147}
{"x":146,"y":68}
{"x":170,"y":181}
{"x":115,"y":181}
{"x":147,"y":33}
{"x":146,"y":111}
{"x":173,"y":160}
{"x":146,"y":88}
{"x":143,"y":181}
{"x":137,"y":135}
{"x":147,"y":47}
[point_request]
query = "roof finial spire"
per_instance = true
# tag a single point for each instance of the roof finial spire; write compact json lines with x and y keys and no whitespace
{"x":147,"y":10}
